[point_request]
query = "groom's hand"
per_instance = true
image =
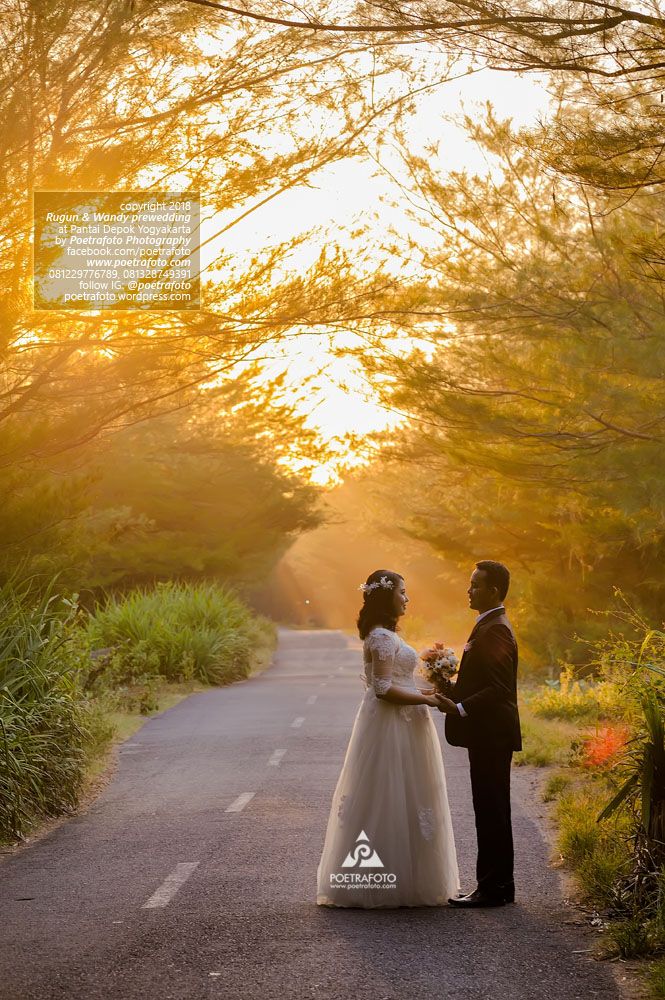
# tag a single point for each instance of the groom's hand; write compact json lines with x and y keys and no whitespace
{"x":446,"y":705}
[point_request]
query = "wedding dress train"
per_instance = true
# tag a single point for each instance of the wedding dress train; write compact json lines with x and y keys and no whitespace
{"x":389,"y":839}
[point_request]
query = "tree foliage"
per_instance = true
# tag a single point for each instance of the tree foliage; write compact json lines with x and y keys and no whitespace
{"x":200,"y":496}
{"x":106,"y":95}
{"x":205,"y":491}
{"x":110,"y":95}
{"x":610,"y":40}
{"x":535,"y":398}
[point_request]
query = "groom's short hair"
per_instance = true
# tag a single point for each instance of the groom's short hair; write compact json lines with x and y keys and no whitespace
{"x":498,"y":575}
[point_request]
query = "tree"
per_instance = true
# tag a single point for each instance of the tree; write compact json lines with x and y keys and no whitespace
{"x":609,"y":40}
{"x":605,"y":61}
{"x":535,"y":398}
{"x":93,"y":96}
{"x":199,"y":497}
{"x":99,"y":94}
{"x":216,"y":490}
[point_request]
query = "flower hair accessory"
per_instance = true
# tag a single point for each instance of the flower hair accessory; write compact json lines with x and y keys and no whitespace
{"x":384,"y":582}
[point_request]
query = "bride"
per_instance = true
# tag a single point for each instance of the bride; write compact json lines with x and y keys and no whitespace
{"x":389,"y":839}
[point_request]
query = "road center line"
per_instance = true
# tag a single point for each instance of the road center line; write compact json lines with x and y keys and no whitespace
{"x":311,"y":699}
{"x":239,"y":804}
{"x":276,"y":757}
{"x":298,"y":722}
{"x":170,"y":885}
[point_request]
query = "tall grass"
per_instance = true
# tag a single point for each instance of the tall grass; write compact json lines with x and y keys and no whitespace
{"x":611,"y":803}
{"x":598,"y":854}
{"x":45,"y":727}
{"x":57,"y":704}
{"x":180,"y":631}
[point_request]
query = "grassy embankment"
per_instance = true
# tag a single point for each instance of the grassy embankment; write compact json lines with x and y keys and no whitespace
{"x":602,"y":739}
{"x":62,"y":709}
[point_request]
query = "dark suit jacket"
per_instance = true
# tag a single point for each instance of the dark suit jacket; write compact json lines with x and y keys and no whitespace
{"x":486,"y":686}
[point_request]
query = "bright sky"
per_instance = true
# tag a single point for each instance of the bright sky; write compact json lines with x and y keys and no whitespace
{"x":347,"y":193}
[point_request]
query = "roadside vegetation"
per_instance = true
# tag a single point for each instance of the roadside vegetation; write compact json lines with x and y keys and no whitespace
{"x":603,"y":736}
{"x":72,"y":682}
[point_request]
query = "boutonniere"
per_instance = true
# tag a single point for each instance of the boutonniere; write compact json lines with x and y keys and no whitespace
{"x":468,"y":647}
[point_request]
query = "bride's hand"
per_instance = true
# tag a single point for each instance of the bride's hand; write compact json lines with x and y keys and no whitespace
{"x":431,"y":701}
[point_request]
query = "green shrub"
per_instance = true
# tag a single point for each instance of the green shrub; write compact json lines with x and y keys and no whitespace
{"x":46,"y":729}
{"x":580,"y":834}
{"x":611,"y":811}
{"x":629,"y":938}
{"x":599,"y":871}
{"x":56,"y":702}
{"x":179,"y":631}
{"x":586,"y":700}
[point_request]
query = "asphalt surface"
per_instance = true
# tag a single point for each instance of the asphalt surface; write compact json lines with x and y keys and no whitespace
{"x":231,"y":893}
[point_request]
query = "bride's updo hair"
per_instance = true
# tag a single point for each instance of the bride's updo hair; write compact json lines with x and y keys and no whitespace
{"x":378,"y":603}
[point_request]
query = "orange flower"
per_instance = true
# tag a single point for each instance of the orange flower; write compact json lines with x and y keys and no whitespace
{"x":600,"y":748}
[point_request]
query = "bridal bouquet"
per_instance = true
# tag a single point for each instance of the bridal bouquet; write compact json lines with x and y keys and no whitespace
{"x":440,"y":666}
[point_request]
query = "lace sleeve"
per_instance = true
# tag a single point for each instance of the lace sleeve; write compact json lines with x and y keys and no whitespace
{"x":381,"y":645}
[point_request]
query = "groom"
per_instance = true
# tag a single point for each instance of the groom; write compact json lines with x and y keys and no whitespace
{"x":481,"y":714}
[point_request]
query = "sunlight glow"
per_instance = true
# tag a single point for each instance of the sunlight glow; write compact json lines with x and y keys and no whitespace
{"x":348,"y":196}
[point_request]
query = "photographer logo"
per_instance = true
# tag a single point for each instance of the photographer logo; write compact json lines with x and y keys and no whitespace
{"x":363,"y":855}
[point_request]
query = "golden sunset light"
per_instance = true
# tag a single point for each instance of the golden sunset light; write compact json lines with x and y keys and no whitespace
{"x":348,"y":195}
{"x":331,"y":559}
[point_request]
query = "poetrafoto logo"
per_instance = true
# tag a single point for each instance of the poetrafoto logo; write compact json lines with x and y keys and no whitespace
{"x":362,"y":855}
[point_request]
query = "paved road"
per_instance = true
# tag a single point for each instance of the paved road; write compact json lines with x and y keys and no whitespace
{"x":229,"y":879}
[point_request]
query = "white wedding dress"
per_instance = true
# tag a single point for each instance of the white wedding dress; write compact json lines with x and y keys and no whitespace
{"x":389,"y":840}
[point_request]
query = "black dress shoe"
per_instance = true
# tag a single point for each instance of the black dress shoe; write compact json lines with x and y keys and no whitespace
{"x":477,"y":899}
{"x":507,"y":891}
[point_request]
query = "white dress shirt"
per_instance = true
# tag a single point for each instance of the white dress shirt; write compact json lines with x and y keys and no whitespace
{"x":483,"y":613}
{"x":460,"y":707}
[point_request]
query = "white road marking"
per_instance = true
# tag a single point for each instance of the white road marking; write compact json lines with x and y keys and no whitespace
{"x":276,"y":757}
{"x":171,"y":884}
{"x":323,"y":684}
{"x":239,"y":804}
{"x":298,"y":722}
{"x":312,"y":698}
